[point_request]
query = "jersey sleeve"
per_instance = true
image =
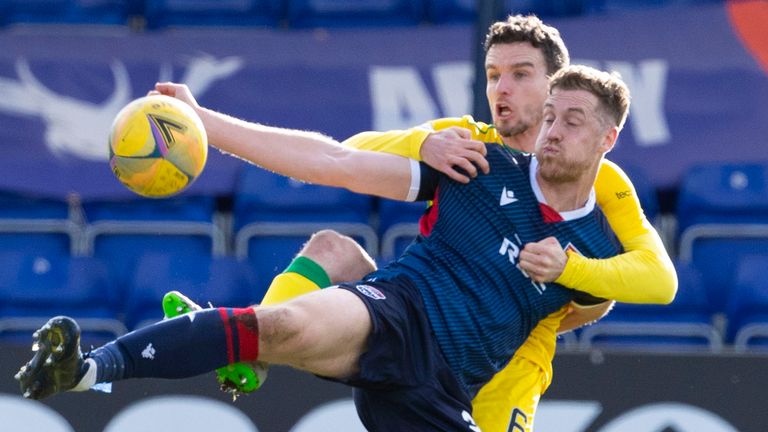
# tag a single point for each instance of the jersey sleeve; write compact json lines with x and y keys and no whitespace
{"x":400,"y":142}
{"x":644,"y":272}
{"x":408,"y":142}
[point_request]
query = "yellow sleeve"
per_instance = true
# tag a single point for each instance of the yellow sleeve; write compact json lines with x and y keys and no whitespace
{"x":644,"y":272}
{"x":400,"y":142}
{"x":408,"y":142}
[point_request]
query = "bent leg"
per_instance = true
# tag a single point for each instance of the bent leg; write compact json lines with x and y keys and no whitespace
{"x":327,"y":258}
{"x":322,"y":332}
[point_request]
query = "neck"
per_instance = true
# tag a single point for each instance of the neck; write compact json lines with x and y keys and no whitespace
{"x":524,"y":141}
{"x":570,"y":195}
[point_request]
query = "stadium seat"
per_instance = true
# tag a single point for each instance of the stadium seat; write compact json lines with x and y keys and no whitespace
{"x":686,"y":324}
{"x":274,"y":216}
{"x":722,"y":214}
{"x":220,"y":281}
{"x":119,"y":232}
{"x":723,"y":194}
{"x":645,"y":190}
{"x":35,"y":287}
{"x":68,"y":11}
{"x":747,"y":306}
{"x":164,"y":13}
{"x":398,"y":226}
{"x":335,"y":13}
{"x":37,"y":225}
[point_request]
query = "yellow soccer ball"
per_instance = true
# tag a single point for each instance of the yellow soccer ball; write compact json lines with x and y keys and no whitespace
{"x":157,"y":146}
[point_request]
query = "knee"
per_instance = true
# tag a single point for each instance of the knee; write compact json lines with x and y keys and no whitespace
{"x":341,"y":257}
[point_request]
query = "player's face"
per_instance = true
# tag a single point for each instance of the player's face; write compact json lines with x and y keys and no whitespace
{"x":516,"y":86}
{"x":573,"y":138}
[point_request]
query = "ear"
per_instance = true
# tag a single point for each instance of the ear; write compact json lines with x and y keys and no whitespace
{"x":609,"y":139}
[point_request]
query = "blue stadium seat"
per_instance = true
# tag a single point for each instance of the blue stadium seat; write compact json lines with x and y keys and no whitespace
{"x":119,"y":232}
{"x":728,"y":193}
{"x":35,"y":287}
{"x":398,"y":226}
{"x":686,"y":324}
{"x":747,"y":306}
{"x":335,"y":13}
{"x":645,"y":190}
{"x":722,"y":214}
{"x":220,"y":281}
{"x":68,"y":11}
{"x":164,"y":13}
{"x":37,"y":225}
{"x":274,"y":216}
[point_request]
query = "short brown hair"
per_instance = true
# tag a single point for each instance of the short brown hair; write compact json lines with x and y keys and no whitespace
{"x":611,"y":91}
{"x":519,"y":28}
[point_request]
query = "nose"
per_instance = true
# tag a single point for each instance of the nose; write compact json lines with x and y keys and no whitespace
{"x":553,"y":131}
{"x":504,"y":84}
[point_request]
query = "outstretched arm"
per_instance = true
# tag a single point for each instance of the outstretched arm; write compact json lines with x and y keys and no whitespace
{"x":307,"y":156}
{"x":450,"y":150}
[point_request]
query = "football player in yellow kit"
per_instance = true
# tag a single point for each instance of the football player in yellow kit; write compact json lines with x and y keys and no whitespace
{"x":521,"y":53}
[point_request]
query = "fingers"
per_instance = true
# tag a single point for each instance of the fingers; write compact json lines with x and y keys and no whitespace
{"x":543,"y":261}
{"x":166,"y":88}
{"x":460,"y":132}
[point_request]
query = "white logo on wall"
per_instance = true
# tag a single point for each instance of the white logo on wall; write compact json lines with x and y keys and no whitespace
{"x":205,"y":414}
{"x":400,"y":97}
{"x":79,"y":128}
{"x":577,"y":416}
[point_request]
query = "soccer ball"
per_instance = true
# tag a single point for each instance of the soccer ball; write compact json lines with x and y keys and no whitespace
{"x":157,"y":146}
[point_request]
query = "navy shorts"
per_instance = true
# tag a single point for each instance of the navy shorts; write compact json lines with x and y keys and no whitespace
{"x":403,"y":382}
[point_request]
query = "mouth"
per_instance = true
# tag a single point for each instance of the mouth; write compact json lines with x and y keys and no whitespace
{"x":549,"y":150}
{"x":503,"y":110}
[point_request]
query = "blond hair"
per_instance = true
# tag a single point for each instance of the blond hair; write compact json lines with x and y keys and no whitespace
{"x":610,"y":90}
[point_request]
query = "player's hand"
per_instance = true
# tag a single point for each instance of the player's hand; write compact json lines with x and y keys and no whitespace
{"x":453,"y":149}
{"x":544,"y":260}
{"x":178,"y":91}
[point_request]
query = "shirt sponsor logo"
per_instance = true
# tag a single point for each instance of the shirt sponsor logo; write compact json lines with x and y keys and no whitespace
{"x":371,"y":292}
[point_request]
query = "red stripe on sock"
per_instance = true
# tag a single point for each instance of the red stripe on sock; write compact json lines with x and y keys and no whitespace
{"x":248,"y":332}
{"x":228,"y":332}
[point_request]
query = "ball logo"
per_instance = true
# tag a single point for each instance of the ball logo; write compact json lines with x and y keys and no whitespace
{"x":371,"y":292}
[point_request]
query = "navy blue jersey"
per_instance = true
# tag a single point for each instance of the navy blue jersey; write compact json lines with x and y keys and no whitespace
{"x":480,"y":305}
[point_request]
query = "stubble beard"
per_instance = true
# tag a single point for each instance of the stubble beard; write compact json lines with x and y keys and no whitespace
{"x":520,"y":127}
{"x":553,"y":169}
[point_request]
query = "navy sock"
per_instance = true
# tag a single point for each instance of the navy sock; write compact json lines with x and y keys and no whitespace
{"x":182,"y":347}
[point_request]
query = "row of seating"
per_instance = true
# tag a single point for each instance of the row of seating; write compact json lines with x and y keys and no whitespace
{"x":34,"y":287}
{"x":271,"y":216}
{"x":722,"y":214}
{"x":691,"y":322}
{"x":295,"y":13}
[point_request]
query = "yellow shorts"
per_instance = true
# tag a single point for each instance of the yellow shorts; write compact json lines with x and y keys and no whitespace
{"x":516,"y":389}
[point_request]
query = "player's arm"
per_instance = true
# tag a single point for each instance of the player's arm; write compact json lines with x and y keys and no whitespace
{"x":306,"y":156}
{"x":583,"y":314}
{"x":444,"y":144}
{"x":644,"y":273}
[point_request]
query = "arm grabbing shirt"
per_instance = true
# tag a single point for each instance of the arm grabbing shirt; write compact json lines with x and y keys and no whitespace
{"x":643,"y":274}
